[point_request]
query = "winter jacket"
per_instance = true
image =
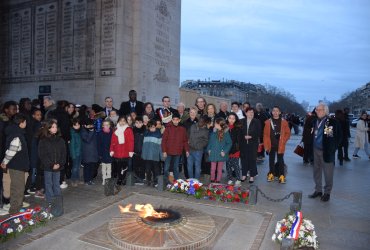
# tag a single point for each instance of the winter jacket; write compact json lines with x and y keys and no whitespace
{"x":198,"y":138}
{"x":152,"y":146}
{"x":52,"y":150}
{"x":75,"y":146}
{"x":361,"y":134}
{"x":329,"y":142}
{"x":98,"y":121}
{"x":235,"y":134}
{"x":284,"y":136}
{"x":122,"y":150}
{"x":253,"y":130}
{"x":19,"y":160}
{"x":174,"y":140}
{"x":104,"y":140}
{"x":138,"y":139}
{"x":89,"y":146}
{"x":215,"y":147}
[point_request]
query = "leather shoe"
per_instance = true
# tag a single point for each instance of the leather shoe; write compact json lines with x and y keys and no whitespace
{"x":325,"y":197}
{"x":315,"y":194}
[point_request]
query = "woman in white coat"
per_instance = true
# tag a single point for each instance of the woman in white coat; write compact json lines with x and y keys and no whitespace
{"x":362,"y":140}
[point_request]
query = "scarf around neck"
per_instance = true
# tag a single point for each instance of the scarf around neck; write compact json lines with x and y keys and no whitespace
{"x":120,"y":133}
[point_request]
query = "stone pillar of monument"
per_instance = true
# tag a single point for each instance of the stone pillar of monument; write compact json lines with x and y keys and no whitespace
{"x":85,"y":50}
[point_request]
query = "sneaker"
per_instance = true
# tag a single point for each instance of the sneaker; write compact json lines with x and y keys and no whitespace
{"x":6,"y":206}
{"x":270,"y":177}
{"x":3,"y":212}
{"x":282,"y":179}
{"x":238,"y":183}
{"x":355,"y":156}
{"x":63,"y":185}
{"x":25,"y":204}
{"x":26,"y":193}
{"x":31,"y":190}
{"x":39,"y":195}
{"x":230,"y":182}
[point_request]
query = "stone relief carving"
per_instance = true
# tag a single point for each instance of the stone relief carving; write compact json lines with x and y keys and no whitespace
{"x":161,"y":75}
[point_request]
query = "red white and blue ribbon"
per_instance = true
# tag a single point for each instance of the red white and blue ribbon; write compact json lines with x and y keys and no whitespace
{"x":294,"y":232}
{"x":17,"y":215}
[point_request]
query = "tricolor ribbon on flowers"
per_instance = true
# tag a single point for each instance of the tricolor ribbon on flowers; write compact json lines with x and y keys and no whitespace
{"x":17,"y":215}
{"x":294,"y":232}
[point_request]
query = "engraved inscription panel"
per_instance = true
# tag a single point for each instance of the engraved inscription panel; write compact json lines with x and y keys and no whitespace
{"x":108,"y":34}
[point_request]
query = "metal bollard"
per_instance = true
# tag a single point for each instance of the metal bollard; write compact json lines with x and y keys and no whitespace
{"x":252,"y":195}
{"x":287,"y":244}
{"x":297,"y":202}
{"x":161,"y":183}
{"x":130,"y":181}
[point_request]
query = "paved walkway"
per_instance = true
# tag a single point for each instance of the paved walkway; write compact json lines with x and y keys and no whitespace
{"x":341,"y":223}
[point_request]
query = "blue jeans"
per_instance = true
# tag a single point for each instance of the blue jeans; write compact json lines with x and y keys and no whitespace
{"x":194,"y":159}
{"x":52,"y":186}
{"x":76,"y":164}
{"x":167,"y":162}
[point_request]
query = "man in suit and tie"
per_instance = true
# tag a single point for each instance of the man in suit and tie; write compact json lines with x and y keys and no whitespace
{"x":108,"y":106}
{"x":132,"y":105}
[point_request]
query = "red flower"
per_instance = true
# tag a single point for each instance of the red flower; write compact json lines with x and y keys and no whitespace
{"x":283,"y":228}
{"x":230,"y":188}
{"x":209,"y":193}
{"x":218,"y":192}
{"x":244,"y":195}
{"x":237,"y":199}
{"x":28,"y":216}
{"x":6,"y":225}
{"x":196,"y":186}
{"x":229,"y":196}
{"x":236,"y":196}
{"x":37,"y":209}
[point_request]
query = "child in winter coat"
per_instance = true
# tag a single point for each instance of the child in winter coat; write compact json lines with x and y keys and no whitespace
{"x":89,"y":151}
{"x":151,"y":153}
{"x":75,"y":150}
{"x":137,"y":162}
{"x":121,"y":149}
{"x":232,"y":163}
{"x":104,"y":140}
{"x":174,"y":141}
{"x":53,"y":155}
{"x":218,"y":148}
{"x":198,"y":140}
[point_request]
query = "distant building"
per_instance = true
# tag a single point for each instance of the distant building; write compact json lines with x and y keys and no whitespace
{"x":232,"y":90}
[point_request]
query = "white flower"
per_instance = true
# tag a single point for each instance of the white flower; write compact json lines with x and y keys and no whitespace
{"x":274,"y":237}
{"x":30,"y":222}
{"x":17,"y":220}
{"x":9,"y":230}
{"x":44,"y":214}
{"x":19,"y":228}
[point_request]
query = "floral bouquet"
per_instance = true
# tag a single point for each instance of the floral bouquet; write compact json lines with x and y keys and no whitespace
{"x":296,"y":227}
{"x":219,"y":192}
{"x":189,"y":186}
{"x":23,"y":221}
{"x":226,"y":193}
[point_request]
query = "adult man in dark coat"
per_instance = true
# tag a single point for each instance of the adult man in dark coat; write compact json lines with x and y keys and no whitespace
{"x":326,"y":136}
{"x":108,"y":106}
{"x":132,"y":105}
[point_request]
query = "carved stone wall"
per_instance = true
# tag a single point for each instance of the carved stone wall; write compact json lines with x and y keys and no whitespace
{"x":89,"y":49}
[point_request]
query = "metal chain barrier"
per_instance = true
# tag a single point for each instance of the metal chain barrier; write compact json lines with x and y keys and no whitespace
{"x":274,"y":200}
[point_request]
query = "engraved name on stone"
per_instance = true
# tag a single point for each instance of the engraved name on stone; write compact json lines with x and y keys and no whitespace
{"x":51,"y":38}
{"x":80,"y":35}
{"x":108,"y":34}
{"x":26,"y":42}
{"x":4,"y":38}
{"x":66,"y":60}
{"x":16,"y":29}
{"x":162,"y":49}
{"x":40,"y":37}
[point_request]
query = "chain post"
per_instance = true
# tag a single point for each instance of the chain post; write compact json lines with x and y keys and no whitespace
{"x":287,"y":244}
{"x":253,"y":195}
{"x":130,"y":181}
{"x":161,"y":183}
{"x":296,"y":205}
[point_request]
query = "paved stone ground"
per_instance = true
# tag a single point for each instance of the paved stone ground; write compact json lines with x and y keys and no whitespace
{"x":341,"y":223}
